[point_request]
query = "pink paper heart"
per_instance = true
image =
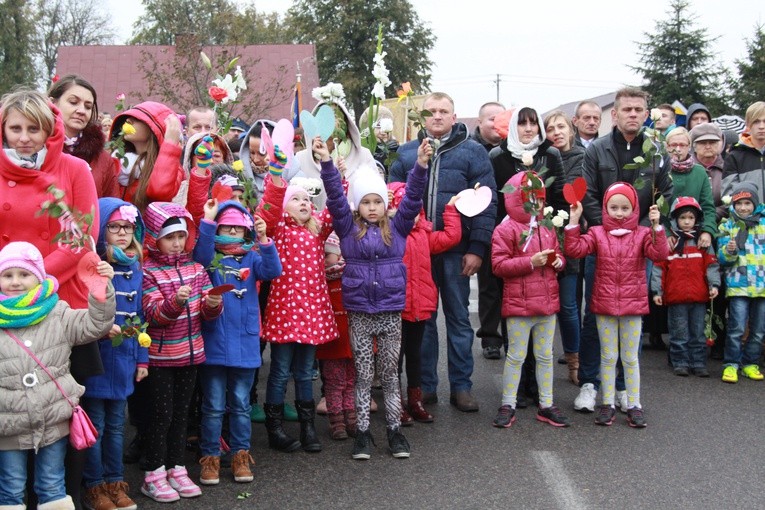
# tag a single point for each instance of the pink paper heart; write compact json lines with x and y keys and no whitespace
{"x":87,"y":270}
{"x":473,"y":201}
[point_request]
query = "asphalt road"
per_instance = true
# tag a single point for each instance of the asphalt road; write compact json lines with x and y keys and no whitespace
{"x":701,"y":449}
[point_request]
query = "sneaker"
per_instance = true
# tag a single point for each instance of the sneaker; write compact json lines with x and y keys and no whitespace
{"x":553,"y":416}
{"x":492,"y":353}
{"x":399,"y":446}
{"x":361,"y":448}
{"x":621,"y":401}
{"x":180,"y":481}
{"x":700,"y":372}
{"x":156,"y":487}
{"x":681,"y":371}
{"x":290,"y":413}
{"x":605,"y":415}
{"x":505,"y":417}
{"x":752,"y":372}
{"x":240,"y":466}
{"x":730,"y":374}
{"x":635,"y":418}
{"x":257,"y":414}
{"x":117,"y":492}
{"x":585,"y":401}
{"x":96,"y":498}
{"x":210,"y":470}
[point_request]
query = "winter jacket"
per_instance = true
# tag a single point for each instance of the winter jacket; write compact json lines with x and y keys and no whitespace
{"x":175,"y":330}
{"x":37,"y":416}
{"x":695,"y":183}
{"x":116,"y":383}
{"x":715,"y":174}
{"x":686,"y":277}
{"x":744,"y":163}
{"x":458,"y":164}
{"x":374,"y":279}
{"x":259,"y":180}
{"x":527,"y":291}
{"x":620,"y":286}
{"x":476,"y":135}
{"x":744,"y":271}
{"x":103,"y":167}
{"x":601,"y":169}
{"x":233,"y":339}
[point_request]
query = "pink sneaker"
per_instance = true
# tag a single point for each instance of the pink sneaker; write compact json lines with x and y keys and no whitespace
{"x":155,"y":486}
{"x":180,"y":481}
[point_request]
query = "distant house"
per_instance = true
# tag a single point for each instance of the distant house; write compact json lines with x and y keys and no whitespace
{"x":605,"y":101}
{"x":270,"y":70}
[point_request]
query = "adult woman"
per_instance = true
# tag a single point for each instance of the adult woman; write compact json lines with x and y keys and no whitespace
{"x":75,"y":98}
{"x":560,"y":131}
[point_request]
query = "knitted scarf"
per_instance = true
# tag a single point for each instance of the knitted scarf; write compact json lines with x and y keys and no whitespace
{"x":120,"y":257}
{"x":682,"y":167}
{"x":750,"y":222}
{"x":30,"y":308}
{"x":232,"y":245}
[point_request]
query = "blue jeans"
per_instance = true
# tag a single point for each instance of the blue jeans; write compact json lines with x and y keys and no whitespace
{"x":103,"y":460}
{"x":454,"y":290}
{"x":225,"y":388}
{"x":743,"y":310}
{"x":49,"y":474}
{"x":687,"y":344}
{"x":294,"y":357}
{"x":568,"y":317}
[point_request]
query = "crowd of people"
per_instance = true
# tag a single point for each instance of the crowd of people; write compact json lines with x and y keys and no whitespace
{"x":214,"y":245}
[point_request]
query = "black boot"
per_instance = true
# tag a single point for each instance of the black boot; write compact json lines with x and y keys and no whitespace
{"x":277,"y":437}
{"x":306,"y":411}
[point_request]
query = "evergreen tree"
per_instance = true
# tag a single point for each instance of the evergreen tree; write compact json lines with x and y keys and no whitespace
{"x":750,"y":84}
{"x":17,"y":44}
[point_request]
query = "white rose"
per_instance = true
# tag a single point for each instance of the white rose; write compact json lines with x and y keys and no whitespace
{"x":557,"y":221}
{"x":563,"y":214}
{"x":527,"y":159}
{"x":655,"y":114}
{"x":547,"y":210}
{"x":726,"y":199}
{"x":386,"y":125}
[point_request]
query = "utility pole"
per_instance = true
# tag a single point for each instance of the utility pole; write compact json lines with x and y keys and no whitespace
{"x":497,"y":83}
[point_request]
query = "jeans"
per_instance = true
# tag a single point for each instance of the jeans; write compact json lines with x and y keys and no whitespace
{"x":49,"y":474}
{"x":103,"y":460}
{"x":294,"y":357}
{"x":687,"y":343}
{"x":454,"y":290}
{"x":568,"y":317}
{"x":743,"y":310}
{"x":225,"y":389}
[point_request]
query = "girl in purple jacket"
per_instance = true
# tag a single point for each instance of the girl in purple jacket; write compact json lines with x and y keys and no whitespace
{"x":374,"y":282}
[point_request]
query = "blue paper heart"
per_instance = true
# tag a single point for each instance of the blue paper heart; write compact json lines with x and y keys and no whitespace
{"x":321,"y":125}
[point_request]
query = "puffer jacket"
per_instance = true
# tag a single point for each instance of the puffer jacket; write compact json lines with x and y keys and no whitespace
{"x":620,"y":272}
{"x":458,"y":164}
{"x":686,"y":277}
{"x":116,"y":383}
{"x":374,"y":279}
{"x":37,"y":416}
{"x":175,"y":331}
{"x":744,"y":164}
{"x":527,"y":291}
{"x":744,"y":271}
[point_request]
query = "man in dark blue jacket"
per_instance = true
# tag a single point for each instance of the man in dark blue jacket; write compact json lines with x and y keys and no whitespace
{"x":459,"y":163}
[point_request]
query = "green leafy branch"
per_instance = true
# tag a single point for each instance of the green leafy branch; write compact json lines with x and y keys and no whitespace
{"x":74,"y":224}
{"x":131,"y":328}
{"x":712,"y":321}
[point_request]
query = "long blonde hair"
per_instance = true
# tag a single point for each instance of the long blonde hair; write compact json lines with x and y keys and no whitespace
{"x":383,"y":224}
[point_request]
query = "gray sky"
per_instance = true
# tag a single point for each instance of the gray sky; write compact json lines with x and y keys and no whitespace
{"x":546,"y":53}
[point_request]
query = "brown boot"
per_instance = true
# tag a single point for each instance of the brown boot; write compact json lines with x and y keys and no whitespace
{"x":337,"y":426}
{"x":572,"y":360}
{"x":416,"y":409}
{"x":240,"y":466}
{"x":97,"y":498}
{"x":350,"y":422}
{"x":117,"y":492}
{"x":210,"y":474}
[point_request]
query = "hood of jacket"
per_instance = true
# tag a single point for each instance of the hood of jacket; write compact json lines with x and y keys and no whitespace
{"x":153,"y":114}
{"x":697,"y":107}
{"x":228,"y":158}
{"x":156,"y":214}
{"x":630,"y":222}
{"x":54,"y":144}
{"x":515,"y":201}
{"x":106,"y":207}
{"x":244,"y":150}
{"x":233,"y":204}
{"x":353,"y":130}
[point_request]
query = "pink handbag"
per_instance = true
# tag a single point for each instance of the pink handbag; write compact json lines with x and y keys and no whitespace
{"x":82,"y":433}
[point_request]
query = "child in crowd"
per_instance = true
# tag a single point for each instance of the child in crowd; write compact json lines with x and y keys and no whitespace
{"x":685,"y":282}
{"x":742,"y":255}
{"x":620,"y":293}
{"x":175,"y":305}
{"x":374,"y":282}
{"x":528,"y":258}
{"x":35,"y":412}
{"x":421,"y":294}
{"x":119,"y":243}
{"x":232,"y":342}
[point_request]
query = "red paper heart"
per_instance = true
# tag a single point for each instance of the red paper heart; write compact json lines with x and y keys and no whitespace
{"x":221,"y":192}
{"x":244,"y":273}
{"x":221,"y":289}
{"x":576,"y":191}
{"x":87,"y":270}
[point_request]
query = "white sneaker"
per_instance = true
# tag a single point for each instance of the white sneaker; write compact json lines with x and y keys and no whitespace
{"x":621,"y":401}
{"x":585,"y":401}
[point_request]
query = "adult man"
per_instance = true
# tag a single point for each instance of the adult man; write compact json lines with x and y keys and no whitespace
{"x":666,"y":123}
{"x":603,"y":165}
{"x":697,"y":114}
{"x":458,"y":163}
{"x":489,"y":286}
{"x":745,"y":162}
{"x":200,"y":119}
{"x":586,"y":120}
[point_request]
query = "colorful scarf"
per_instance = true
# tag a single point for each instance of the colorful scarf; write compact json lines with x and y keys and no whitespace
{"x":120,"y":257}
{"x":682,"y":167}
{"x":683,"y":236}
{"x":232,"y":245}
{"x":30,"y":308}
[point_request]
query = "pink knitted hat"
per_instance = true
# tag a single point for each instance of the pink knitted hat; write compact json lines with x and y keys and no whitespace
{"x":233,"y":216}
{"x":23,"y":255}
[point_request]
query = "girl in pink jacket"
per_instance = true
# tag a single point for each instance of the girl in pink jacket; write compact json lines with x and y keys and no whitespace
{"x":527,"y":257}
{"x":620,"y":291}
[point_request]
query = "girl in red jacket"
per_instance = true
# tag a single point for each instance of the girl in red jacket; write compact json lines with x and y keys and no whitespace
{"x":527,"y":257}
{"x":620,"y":292}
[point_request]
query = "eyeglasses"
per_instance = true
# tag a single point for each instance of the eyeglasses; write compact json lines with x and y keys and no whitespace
{"x":236,"y":228}
{"x":678,"y":145}
{"x":114,"y":228}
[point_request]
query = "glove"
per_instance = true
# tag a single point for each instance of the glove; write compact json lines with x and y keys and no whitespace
{"x":277,"y":167}
{"x":204,"y":152}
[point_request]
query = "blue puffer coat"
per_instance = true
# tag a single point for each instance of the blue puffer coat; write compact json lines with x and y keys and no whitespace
{"x":233,"y":339}
{"x":374,"y":279}
{"x":116,"y":383}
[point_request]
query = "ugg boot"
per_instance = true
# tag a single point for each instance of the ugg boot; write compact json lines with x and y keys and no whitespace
{"x":277,"y":437}
{"x":572,"y":360}
{"x":416,"y":409}
{"x":337,"y":426}
{"x":350,"y":421}
{"x":60,"y":504}
{"x":13,"y":507}
{"x":97,"y":498}
{"x":306,"y":410}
